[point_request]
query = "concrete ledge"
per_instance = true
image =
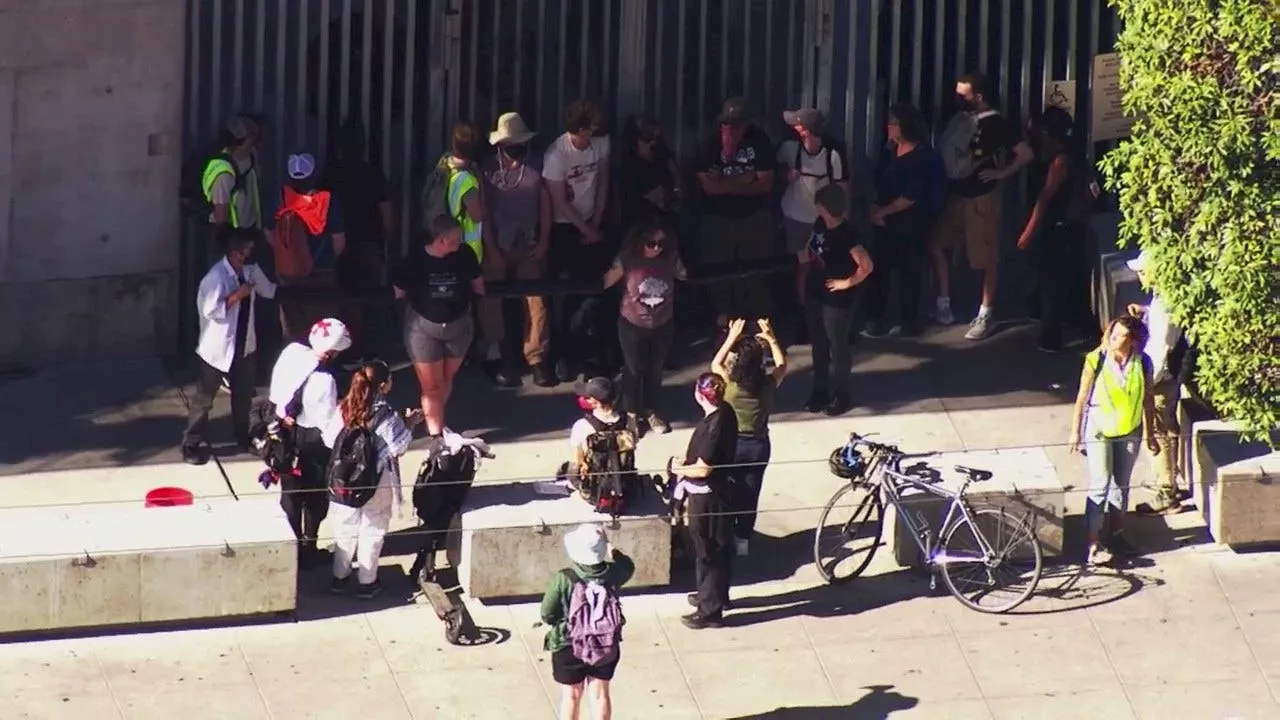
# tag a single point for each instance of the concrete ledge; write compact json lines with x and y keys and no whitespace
{"x":1238,"y":486}
{"x":512,"y":538}
{"x":64,"y":568}
{"x":1024,"y":481}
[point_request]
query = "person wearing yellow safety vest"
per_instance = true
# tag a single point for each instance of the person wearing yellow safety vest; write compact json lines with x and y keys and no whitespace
{"x":230,"y":178}
{"x":464,"y":195}
{"x":1113,"y":406}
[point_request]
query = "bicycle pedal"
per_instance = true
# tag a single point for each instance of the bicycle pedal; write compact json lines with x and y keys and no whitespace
{"x":933,"y":583}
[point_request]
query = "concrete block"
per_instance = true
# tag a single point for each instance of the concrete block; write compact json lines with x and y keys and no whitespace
{"x":512,"y":539}
{"x":1238,"y":486}
{"x":1024,"y":484}
{"x":119,"y":565}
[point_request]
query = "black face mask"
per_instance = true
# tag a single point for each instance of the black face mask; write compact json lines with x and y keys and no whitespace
{"x":963,"y":103}
{"x":515,"y":152}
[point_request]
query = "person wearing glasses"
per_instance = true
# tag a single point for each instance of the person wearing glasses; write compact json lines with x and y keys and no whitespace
{"x":651,"y":181}
{"x":648,"y":266}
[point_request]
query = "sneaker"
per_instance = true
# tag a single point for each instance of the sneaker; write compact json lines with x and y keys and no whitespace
{"x":657,"y":424}
{"x":194,"y":455}
{"x":695,"y":621}
{"x":873,"y":330}
{"x":1099,"y":555}
{"x":839,"y":405}
{"x":338,"y":586}
{"x":544,"y":376}
{"x":565,"y":371}
{"x":741,"y":547}
{"x":895,"y":330}
{"x":943,"y":312}
{"x":370,"y":591}
{"x":692,"y":599}
{"x":979,"y":328}
{"x":817,"y":402}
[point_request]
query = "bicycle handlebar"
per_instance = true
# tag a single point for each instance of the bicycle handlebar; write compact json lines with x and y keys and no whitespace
{"x":856,"y":440}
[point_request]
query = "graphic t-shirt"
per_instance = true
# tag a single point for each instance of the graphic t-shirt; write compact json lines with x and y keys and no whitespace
{"x":990,"y":148}
{"x":829,"y":259}
{"x":816,"y":171}
{"x":649,"y":286}
{"x":580,"y":171}
{"x":439,"y":288}
{"x":754,"y":154}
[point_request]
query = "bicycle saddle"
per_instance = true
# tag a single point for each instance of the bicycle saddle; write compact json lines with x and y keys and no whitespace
{"x":974,"y":474}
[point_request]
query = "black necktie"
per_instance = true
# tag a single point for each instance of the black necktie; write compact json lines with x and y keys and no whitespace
{"x":245,"y":311}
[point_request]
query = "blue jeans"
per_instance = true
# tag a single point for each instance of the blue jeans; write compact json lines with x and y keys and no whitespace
{"x":1110,"y":462}
{"x":747,"y":479}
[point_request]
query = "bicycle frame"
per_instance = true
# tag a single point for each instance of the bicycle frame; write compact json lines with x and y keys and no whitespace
{"x":885,"y":475}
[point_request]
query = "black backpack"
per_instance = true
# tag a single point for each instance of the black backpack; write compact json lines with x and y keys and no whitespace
{"x":191,"y":186}
{"x":353,"y":474}
{"x":608,"y":478}
{"x":441,"y":487}
{"x":270,"y":439}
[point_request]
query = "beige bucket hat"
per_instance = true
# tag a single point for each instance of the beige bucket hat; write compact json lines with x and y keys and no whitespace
{"x":511,"y":129}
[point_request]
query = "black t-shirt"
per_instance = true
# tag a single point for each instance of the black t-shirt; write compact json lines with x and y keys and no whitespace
{"x":360,"y":187}
{"x":715,"y":440}
{"x":640,"y":177}
{"x":754,"y":154}
{"x":439,"y":288}
{"x":905,"y":176}
{"x":991,"y":147}
{"x":829,"y":259}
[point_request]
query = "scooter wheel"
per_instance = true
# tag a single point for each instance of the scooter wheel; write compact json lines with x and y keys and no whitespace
{"x":453,"y":627}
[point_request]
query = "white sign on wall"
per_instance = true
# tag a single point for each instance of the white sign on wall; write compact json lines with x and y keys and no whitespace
{"x":1061,"y":94}
{"x":1109,"y":121}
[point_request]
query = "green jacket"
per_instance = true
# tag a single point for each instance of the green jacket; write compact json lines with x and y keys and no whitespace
{"x":555,"y":602}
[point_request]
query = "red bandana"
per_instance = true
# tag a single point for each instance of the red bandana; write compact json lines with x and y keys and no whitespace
{"x":312,"y":208}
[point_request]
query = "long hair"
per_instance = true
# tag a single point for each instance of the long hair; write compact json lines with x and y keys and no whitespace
{"x":747,"y":371}
{"x":357,"y":405}
{"x":638,"y":235}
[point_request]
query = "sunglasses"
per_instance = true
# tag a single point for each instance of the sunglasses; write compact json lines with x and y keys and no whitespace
{"x":653,"y":244}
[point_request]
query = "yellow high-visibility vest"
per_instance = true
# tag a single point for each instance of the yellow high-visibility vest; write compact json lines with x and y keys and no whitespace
{"x":1117,"y":410}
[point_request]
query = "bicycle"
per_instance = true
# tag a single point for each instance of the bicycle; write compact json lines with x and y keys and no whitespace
{"x":879,"y":474}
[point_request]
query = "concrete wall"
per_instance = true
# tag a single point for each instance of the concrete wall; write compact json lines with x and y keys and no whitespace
{"x":90,"y":111}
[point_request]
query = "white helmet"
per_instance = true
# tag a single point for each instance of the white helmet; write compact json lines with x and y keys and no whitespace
{"x":329,"y":335}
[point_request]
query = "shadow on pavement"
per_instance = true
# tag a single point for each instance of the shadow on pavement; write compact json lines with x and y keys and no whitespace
{"x":878,"y":704}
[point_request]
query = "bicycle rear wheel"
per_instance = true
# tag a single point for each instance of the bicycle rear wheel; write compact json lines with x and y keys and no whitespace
{"x":1013,"y":571}
{"x":842,"y":548}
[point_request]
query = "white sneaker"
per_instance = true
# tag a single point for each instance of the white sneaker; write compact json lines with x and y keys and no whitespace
{"x":979,"y":328}
{"x":943,"y":312}
{"x":741,"y":547}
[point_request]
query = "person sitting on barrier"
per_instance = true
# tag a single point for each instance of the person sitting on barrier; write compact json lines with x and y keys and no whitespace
{"x":649,"y":266}
{"x":306,"y":398}
{"x":750,"y":391}
{"x":603,"y":442}
{"x":583,"y":614}
{"x":439,"y":286}
{"x":360,"y":530}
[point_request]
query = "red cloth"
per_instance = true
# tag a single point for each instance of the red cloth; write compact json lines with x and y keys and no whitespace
{"x":730,"y":137}
{"x":312,"y":209}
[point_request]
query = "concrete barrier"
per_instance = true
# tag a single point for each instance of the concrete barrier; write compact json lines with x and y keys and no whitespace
{"x":64,"y":568}
{"x":1237,"y":486}
{"x":1024,"y":483}
{"x":512,"y":539}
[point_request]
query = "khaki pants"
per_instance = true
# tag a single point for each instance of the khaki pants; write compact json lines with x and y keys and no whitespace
{"x":1165,"y":395}
{"x":489,"y":310}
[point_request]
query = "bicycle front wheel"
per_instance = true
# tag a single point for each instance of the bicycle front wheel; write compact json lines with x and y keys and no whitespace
{"x":848,"y":532}
{"x":1002,"y":581}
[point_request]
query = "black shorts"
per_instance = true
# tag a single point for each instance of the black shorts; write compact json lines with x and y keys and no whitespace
{"x":569,"y":670}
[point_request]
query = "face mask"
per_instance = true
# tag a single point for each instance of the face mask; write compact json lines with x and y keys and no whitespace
{"x":585,"y":404}
{"x":962,"y":102}
{"x":515,"y":152}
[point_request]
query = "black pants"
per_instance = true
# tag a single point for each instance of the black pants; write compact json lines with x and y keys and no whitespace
{"x":832,"y":354}
{"x":747,"y":479}
{"x":241,"y":377}
{"x":711,"y":535}
{"x":901,"y":254}
{"x":644,"y":355}
{"x":578,"y":323}
{"x":1062,"y":267}
{"x":305,"y":498}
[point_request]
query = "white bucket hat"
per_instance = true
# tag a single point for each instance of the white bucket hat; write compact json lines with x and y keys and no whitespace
{"x":511,"y":129}
{"x":1140,"y":263}
{"x":329,"y":335}
{"x":586,"y":545}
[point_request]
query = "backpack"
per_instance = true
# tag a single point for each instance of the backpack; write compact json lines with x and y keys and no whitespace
{"x":829,"y":147}
{"x":435,"y":194}
{"x":441,"y":487}
{"x":352,"y":475}
{"x":292,"y":248}
{"x":594,"y":620}
{"x":271,"y":440}
{"x":607,"y":478}
{"x":191,"y":195}
{"x":953,"y":145}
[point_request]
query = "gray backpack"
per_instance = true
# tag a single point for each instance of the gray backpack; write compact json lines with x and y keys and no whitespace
{"x":595,"y":621}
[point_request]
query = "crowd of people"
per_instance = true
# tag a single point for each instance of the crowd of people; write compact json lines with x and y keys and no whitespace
{"x":495,"y":211}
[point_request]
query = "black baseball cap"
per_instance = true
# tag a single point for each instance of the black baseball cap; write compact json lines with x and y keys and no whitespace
{"x":734,"y":111}
{"x":597,"y":388}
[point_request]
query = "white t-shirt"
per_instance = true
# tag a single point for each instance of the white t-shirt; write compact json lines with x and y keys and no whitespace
{"x":582,"y":429}
{"x":797,"y":200}
{"x":1163,"y":335}
{"x":580,"y":170}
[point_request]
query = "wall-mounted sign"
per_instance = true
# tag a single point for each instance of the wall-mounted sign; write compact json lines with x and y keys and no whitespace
{"x":1061,"y":94}
{"x":1109,"y":121}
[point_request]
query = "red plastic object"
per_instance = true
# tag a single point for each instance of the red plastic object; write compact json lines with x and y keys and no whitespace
{"x":169,"y":497}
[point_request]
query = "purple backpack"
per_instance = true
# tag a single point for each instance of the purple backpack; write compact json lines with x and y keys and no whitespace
{"x":595,"y":621}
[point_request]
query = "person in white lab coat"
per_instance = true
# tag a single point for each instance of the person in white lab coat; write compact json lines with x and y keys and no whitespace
{"x":225,"y":302}
{"x":306,"y":399}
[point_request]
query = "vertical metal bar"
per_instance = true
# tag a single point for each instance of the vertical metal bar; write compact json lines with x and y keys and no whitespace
{"x":193,"y":72}
{"x":821,"y":50}
{"x":494,"y":54}
{"x":215,"y":64}
{"x":607,"y":82}
{"x":895,"y":50}
{"x":789,"y":85}
{"x":1073,"y":36}
{"x":562,"y":42}
{"x":237,"y":57}
{"x":659,"y":58}
{"x":939,"y":56}
{"x":1048,"y":72}
{"x":300,"y":94}
{"x":702,"y":60}
{"x":344,"y":52}
{"x":388,"y":76}
{"x":322,"y":71}
{"x":746,"y":44}
{"x":519,"y":80}
{"x":260,"y":57}
{"x":366,"y":65}
{"x":873,"y":100}
{"x":962,"y":36}
{"x":984,"y":39}
{"x":917,"y":51}
{"x":681,"y":31}
{"x":282,"y":44}
{"x":768,"y":54}
{"x":1006,"y":30}
{"x":1028,"y":22}
{"x":1095,"y":28}
{"x":473,"y":67}
{"x":539,"y":41}
{"x":851,"y":93}
{"x":584,"y":45}
{"x":407,"y":126}
{"x":724,"y":49}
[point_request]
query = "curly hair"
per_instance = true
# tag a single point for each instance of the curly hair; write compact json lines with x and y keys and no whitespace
{"x":747,"y":371}
{"x":357,"y":404}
